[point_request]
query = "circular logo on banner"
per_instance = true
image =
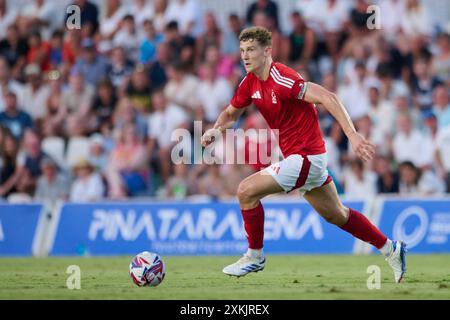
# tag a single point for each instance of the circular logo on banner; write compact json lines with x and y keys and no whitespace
{"x":413,"y":238}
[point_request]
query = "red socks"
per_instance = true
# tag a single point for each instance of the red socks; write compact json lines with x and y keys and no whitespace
{"x":254,"y":226}
{"x":361,"y":227}
{"x":357,"y":225}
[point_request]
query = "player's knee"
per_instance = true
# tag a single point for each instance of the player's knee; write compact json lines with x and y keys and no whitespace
{"x":245,"y":192}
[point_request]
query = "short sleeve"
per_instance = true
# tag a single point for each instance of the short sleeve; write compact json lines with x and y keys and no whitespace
{"x":292,"y":86}
{"x":242,"y":97}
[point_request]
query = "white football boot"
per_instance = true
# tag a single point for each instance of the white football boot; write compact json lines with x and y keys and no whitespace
{"x":245,"y":265}
{"x":397,"y":260}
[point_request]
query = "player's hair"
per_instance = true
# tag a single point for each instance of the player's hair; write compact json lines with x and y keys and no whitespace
{"x":260,"y":34}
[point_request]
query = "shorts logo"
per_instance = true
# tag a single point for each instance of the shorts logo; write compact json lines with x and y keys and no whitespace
{"x":275,"y":168}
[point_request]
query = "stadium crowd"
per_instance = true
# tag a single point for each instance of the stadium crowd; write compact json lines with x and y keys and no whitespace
{"x":87,"y":113}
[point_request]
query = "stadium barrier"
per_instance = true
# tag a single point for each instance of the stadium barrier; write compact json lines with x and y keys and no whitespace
{"x":211,"y":228}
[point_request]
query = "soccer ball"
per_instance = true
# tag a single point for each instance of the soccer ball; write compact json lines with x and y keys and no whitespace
{"x":147,"y":269}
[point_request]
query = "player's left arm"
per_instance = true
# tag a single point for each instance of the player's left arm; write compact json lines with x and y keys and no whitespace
{"x":317,"y":94}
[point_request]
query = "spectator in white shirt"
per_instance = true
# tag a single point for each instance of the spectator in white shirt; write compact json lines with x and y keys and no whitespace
{"x":188,"y":15}
{"x":162,"y":123}
{"x":410,"y":145}
{"x":35,"y":93}
{"x":214,"y":93}
{"x":359,"y":182}
{"x":142,"y":10}
{"x":8,"y":16}
{"x":88,"y":185}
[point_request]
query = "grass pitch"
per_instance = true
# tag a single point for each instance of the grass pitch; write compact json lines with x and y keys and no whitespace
{"x":285,"y":277}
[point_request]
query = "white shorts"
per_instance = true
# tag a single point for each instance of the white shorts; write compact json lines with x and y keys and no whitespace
{"x":300,"y":172}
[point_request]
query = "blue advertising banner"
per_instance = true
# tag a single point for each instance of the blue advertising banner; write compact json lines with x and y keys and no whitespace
{"x":192,"y":229}
{"x":18,"y":228}
{"x":423,"y":224}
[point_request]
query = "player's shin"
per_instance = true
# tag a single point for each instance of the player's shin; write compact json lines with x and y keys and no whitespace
{"x":361,"y":227}
{"x":254,"y":229}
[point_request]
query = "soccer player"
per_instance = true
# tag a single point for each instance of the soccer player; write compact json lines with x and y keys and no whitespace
{"x":287,"y":102}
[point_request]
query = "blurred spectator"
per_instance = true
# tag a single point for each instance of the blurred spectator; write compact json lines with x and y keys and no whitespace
{"x":51,"y":185}
{"x":157,"y":69}
{"x":414,"y":182}
{"x":415,"y":20}
{"x":139,"y":90}
{"x":71,"y":47}
{"x":35,"y":93}
{"x":28,"y":163}
{"x":7,"y":83}
{"x":182,"y":87}
{"x":9,"y":149}
{"x":393,"y":12}
{"x":387,"y":180}
{"x":212,"y":36}
{"x":56,"y":48}
{"x":162,"y":122}
{"x":119,"y":69}
{"x":181,"y":47}
{"x":14,"y":49}
{"x":302,"y":41}
{"x":268,"y":6}
{"x":409,"y":144}
{"x":424,"y":82}
{"x":113,"y":11}
{"x":212,"y":183}
{"x":359,"y":182}
{"x":41,"y":14}
{"x":441,"y":106}
{"x":77,"y":100}
{"x":98,"y":155}
{"x":214,"y":94}
{"x":128,"y":38}
{"x":159,"y":17}
{"x":230,"y":39}
{"x":88,"y":185}
{"x":187,"y":14}
{"x":222,"y":65}
{"x":151,"y":40}
{"x":126,"y":114}
{"x":127,"y":172}
{"x":13,"y":118}
{"x":88,"y":15}
{"x":38,"y":51}
{"x":90,"y":64}
{"x":8,"y":15}
{"x":441,"y":61}
{"x":443,"y":155}
{"x":104,"y":105}
{"x":54,"y":114}
{"x":177,"y":185}
{"x":142,"y":10}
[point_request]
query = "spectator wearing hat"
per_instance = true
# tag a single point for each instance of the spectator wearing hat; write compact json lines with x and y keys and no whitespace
{"x":98,"y":154}
{"x":88,"y":185}
{"x":52,"y":185}
{"x":35,"y":92}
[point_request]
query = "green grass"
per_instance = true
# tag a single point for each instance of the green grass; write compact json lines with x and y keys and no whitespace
{"x":285,"y":277}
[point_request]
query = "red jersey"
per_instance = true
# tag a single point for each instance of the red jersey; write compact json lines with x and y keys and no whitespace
{"x":280,"y":99}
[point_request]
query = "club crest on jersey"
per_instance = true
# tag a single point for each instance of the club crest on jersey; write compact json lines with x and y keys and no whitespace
{"x":274,"y":98}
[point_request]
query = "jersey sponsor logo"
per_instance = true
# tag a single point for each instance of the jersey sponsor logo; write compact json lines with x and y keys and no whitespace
{"x":281,"y":80}
{"x":274,"y":98}
{"x":301,"y":93}
{"x":256,"y":95}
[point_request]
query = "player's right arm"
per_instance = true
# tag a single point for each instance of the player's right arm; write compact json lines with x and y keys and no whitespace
{"x":226,"y":120}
